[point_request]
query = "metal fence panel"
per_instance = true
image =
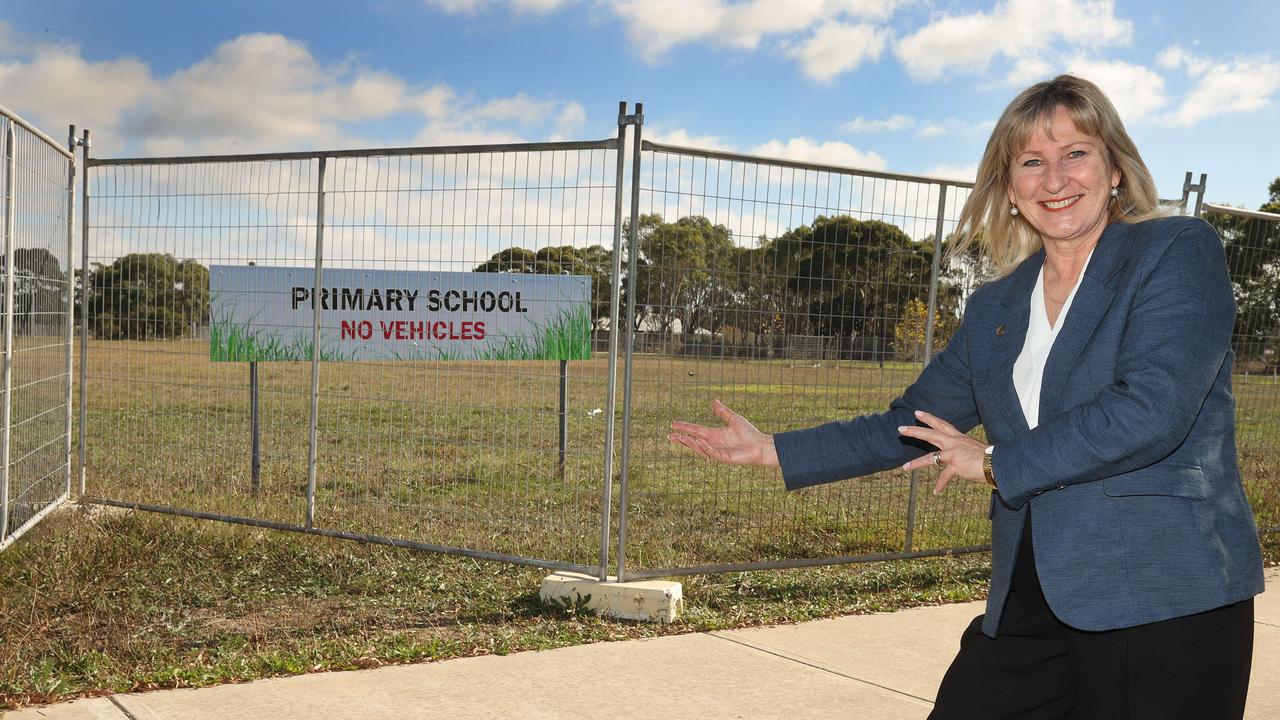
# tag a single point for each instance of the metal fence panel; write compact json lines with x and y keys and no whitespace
{"x":37,"y":314}
{"x":1252,"y":244}
{"x":453,"y":455}
{"x":795,"y":294}
{"x":468,"y":453}
{"x":166,"y":426}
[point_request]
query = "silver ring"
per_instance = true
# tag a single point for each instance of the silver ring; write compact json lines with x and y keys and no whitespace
{"x":937,"y":459}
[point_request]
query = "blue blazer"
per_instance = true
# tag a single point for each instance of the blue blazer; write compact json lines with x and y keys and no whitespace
{"x":1131,"y":474}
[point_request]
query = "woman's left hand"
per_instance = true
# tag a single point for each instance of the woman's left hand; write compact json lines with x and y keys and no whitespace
{"x":961,"y":455}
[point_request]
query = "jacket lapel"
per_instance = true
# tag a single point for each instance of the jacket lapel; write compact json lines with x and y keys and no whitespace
{"x":1006,"y":340}
{"x":1091,"y":302}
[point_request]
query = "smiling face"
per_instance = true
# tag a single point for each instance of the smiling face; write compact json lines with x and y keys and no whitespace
{"x":1061,"y":182}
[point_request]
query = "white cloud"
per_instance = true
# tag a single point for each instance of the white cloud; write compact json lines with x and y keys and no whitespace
{"x":923,"y":129}
{"x":683,"y":138}
{"x":473,"y":6}
{"x":836,"y":48}
{"x":891,"y":124}
{"x":55,"y":87}
{"x":800,"y":149}
{"x":1028,"y":70}
{"x":869,"y":9}
{"x":656,"y":26}
{"x":804,"y":149}
{"x":1237,"y":86}
{"x":570,"y":121}
{"x":538,"y":6}
{"x":457,"y":6}
{"x":518,"y":108}
{"x":816,"y":32}
{"x":10,"y":40}
{"x":259,"y":92}
{"x":1136,"y":91}
{"x":964,"y":173}
{"x":1172,"y":57}
{"x":1018,"y":29}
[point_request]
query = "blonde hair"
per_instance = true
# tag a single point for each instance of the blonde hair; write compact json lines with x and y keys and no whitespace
{"x":1005,"y":240}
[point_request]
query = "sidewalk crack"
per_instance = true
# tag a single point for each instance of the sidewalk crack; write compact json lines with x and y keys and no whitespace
{"x":121,"y":707}
{"x":823,"y":669}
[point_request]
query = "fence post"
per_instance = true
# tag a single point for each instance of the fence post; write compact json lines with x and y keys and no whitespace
{"x":255,"y":431}
{"x":564,"y":418}
{"x":935,"y":272}
{"x":9,"y":181}
{"x":1188,"y":187}
{"x":84,"y":306}
{"x":317,"y":307}
{"x":611,"y":403}
{"x":628,"y":372}
{"x":10,"y":163}
{"x":71,"y":300}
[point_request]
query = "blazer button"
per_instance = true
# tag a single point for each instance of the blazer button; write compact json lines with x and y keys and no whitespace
{"x":999,"y":331}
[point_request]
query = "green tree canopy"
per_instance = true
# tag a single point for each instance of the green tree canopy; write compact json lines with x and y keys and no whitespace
{"x":686,"y":273}
{"x":853,"y":276}
{"x":147,"y":296}
{"x":593,"y":261}
{"x":39,"y":286}
{"x":1252,"y":247}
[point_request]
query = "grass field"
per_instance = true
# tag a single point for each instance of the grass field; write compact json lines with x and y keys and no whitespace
{"x":463,"y":454}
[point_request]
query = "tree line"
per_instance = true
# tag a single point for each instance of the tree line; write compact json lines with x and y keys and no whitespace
{"x":1253,"y":259}
{"x":862,"y":284}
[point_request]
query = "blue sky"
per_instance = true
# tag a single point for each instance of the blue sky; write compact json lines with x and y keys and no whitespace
{"x":901,"y":85}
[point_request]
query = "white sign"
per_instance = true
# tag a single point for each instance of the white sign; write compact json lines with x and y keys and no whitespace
{"x":266,"y":313}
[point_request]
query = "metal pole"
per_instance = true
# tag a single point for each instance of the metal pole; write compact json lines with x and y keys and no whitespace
{"x":611,"y":403}
{"x":255,"y":445}
{"x":934,"y":276}
{"x":627,"y":372}
{"x":84,"y":306}
{"x":1188,"y":187}
{"x":10,"y":161}
{"x":317,"y":307}
{"x":71,"y":302}
{"x":564,"y":416}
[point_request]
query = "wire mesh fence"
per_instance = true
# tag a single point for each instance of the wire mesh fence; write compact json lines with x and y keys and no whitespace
{"x":496,"y":455}
{"x":1252,"y":244}
{"x":796,"y":293}
{"x":35,"y":274}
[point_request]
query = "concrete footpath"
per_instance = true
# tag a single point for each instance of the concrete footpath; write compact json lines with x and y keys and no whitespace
{"x":881,"y":667}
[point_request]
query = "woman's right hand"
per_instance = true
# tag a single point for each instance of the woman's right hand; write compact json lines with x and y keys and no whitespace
{"x":737,"y":443}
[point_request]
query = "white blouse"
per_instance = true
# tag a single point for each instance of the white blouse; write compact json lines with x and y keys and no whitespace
{"x":1028,"y":371}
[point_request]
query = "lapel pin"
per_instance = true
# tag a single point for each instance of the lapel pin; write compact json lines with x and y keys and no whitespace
{"x":999,"y":331}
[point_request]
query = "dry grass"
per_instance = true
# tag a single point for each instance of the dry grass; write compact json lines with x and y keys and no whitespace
{"x":466,"y":454}
{"x":462,"y":454}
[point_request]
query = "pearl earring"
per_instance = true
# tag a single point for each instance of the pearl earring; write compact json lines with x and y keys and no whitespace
{"x":1013,"y":210}
{"x":1115,"y":192}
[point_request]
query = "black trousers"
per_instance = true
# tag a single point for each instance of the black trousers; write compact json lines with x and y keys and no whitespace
{"x":1194,"y":667}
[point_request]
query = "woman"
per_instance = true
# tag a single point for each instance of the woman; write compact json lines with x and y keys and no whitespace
{"x":1124,"y":553}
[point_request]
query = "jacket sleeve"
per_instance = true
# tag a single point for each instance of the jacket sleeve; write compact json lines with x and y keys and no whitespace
{"x":1176,"y":337}
{"x":848,"y":448}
